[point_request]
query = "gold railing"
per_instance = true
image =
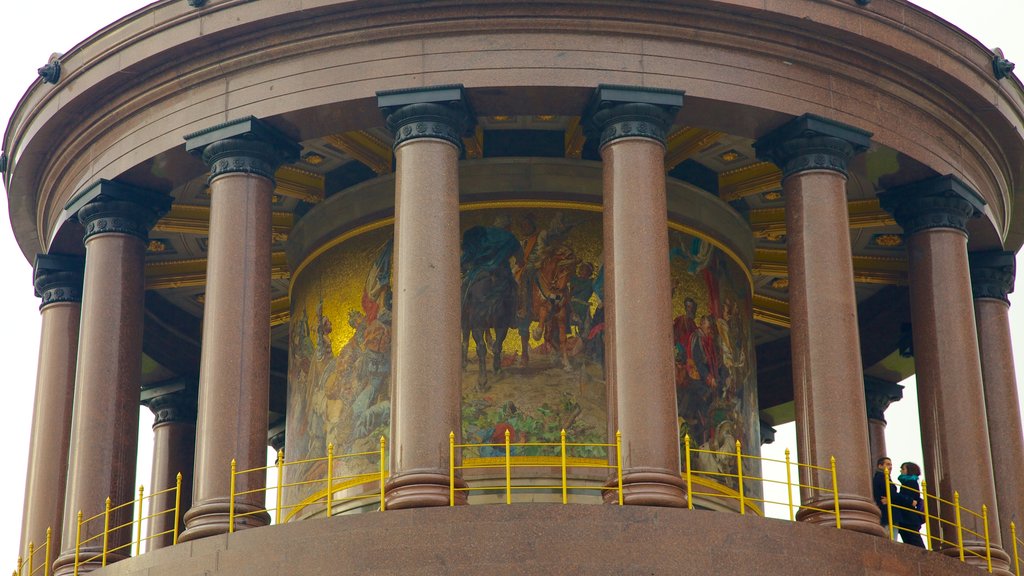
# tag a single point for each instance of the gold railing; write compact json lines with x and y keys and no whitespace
{"x":331,"y":482}
{"x":507,"y":462}
{"x":27,"y":565}
{"x":136,"y":522}
{"x":745,"y":501}
{"x":929,"y":501}
{"x":1017,"y":545}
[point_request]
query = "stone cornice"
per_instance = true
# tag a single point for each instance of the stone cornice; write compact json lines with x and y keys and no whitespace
{"x":811,"y":142}
{"x":616,"y":112}
{"x":992,"y":274}
{"x":58,"y":278}
{"x":440,"y":112}
{"x":941,"y":202}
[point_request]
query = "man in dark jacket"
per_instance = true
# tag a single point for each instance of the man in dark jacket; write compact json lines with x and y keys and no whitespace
{"x":883,"y":467}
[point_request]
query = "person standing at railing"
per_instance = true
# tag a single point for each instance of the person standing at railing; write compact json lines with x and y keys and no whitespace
{"x":910,"y":520}
{"x":883,"y":467}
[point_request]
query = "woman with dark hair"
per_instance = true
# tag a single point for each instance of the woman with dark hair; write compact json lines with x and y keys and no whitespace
{"x":910,"y":520}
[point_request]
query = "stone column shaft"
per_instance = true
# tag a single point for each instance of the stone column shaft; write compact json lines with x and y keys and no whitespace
{"x":632,"y":123}
{"x":234,"y":374}
{"x":992,"y":279}
{"x":58,"y":281}
{"x":426,"y":334}
{"x":828,"y":386}
{"x":954,"y":430}
{"x":174,"y":445}
{"x":104,"y":435}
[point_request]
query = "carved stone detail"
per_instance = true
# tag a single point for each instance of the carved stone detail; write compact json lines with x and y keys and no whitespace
{"x":942,"y":202}
{"x":247,"y":145}
{"x":176,"y":406}
{"x":811,"y":142}
{"x":276,"y":435}
{"x":767,"y":433}
{"x":992,"y":274}
{"x":631,"y":112}
{"x":440,"y":112}
{"x":879,"y":394}
{"x":50,"y":73}
{"x":103,"y":216}
{"x":58,"y":278}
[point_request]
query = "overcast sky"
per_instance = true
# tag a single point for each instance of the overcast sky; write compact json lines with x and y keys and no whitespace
{"x":31,"y":31}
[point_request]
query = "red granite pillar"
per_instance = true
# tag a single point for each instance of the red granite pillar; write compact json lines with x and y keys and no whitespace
{"x":954,"y":431}
{"x":426,"y":384}
{"x":174,"y":446}
{"x":105,"y":429}
{"x":234,"y":373}
{"x":879,"y":394}
{"x":828,"y":380}
{"x":631,"y":124}
{"x":58,"y":282}
{"x":992,"y":275}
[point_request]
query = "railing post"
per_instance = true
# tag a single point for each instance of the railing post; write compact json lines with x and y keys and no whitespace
{"x":31,"y":563}
{"x":231,"y":499}
{"x":78,"y":541}
{"x":1016,"y":557}
{"x":451,"y":468}
{"x":106,"y":531}
{"x":618,"y":458}
{"x":689,"y":475}
{"x":508,"y":466}
{"x":789,"y":486}
{"x":888,"y":508}
{"x":49,"y":541}
{"x":383,"y":470}
{"x":330,"y":478}
{"x":138,"y":527}
{"x":959,"y":525}
{"x":988,"y":544}
{"x":927,"y":523}
{"x":21,"y":561}
{"x":835,"y":493}
{"x":739,"y":475}
{"x":565,"y":491}
{"x":177,"y":508}
{"x":280,"y":486}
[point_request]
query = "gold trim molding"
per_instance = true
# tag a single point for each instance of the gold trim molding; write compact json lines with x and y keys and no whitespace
{"x":749,"y":180}
{"x":364,"y":147}
{"x":686,"y":142}
{"x":191,"y":272}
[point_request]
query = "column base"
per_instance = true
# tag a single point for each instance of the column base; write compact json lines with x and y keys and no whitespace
{"x":648,"y":487}
{"x":855,"y":513}
{"x":212,"y":517}
{"x":974,"y":555}
{"x":422,"y":489}
{"x":65,"y":563}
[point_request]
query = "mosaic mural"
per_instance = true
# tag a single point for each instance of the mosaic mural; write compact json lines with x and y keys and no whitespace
{"x":533,"y":347}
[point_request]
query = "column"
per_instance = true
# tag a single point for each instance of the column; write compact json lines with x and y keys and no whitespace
{"x":828,"y":380}
{"x":631,"y":124}
{"x":428,"y":124}
{"x":992,"y":275}
{"x":954,"y":431}
{"x":174,"y":445}
{"x":105,"y":428}
{"x":58,"y":282}
{"x":234,"y":371}
{"x":879,"y":394}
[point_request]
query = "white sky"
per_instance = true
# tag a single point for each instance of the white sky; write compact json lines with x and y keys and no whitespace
{"x":31,"y":31}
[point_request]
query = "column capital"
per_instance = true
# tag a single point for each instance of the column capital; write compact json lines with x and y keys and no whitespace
{"x":940,"y":202}
{"x":276,"y":434}
{"x":174,"y":402}
{"x":631,"y":112}
{"x":992,"y":274}
{"x":811,"y":142}
{"x":247,"y":145}
{"x":440,"y":112}
{"x":879,"y":395}
{"x":58,"y":278}
{"x":767,"y":432}
{"x":109,"y":207}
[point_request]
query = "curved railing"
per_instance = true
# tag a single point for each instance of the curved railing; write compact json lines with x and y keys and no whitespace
{"x":27,"y":565}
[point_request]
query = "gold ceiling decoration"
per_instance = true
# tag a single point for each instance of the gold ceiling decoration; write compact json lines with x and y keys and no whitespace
{"x":298,"y":183}
{"x":474,"y":144}
{"x":771,"y":310}
{"x":574,"y":139}
{"x":280,"y":311}
{"x":686,"y":142}
{"x":768,"y":222}
{"x":866,"y":269}
{"x":193,"y":219}
{"x":364,"y":147}
{"x":191,"y":272}
{"x":748,"y":180}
